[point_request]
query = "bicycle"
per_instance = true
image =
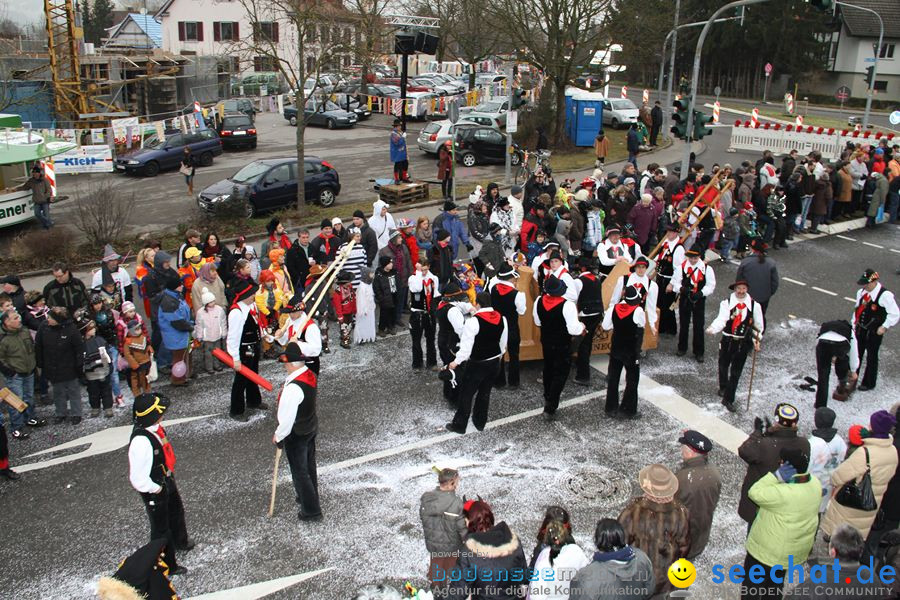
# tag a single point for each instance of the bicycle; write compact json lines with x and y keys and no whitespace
{"x":525,"y":171}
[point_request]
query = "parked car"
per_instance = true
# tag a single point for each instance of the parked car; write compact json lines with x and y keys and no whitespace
{"x":618,"y":112}
{"x":158,"y":155}
{"x":352,"y":104}
{"x":445,"y":79}
{"x":238,"y":105}
{"x":493,"y":108}
{"x":481,"y":119}
{"x":317,"y":113}
{"x":433,"y":85}
{"x":251,"y":85}
{"x":269,"y":184}
{"x":474,"y":145}
{"x":326,"y":84}
{"x":237,"y":130}
{"x":411,"y":84}
{"x":436,"y":133}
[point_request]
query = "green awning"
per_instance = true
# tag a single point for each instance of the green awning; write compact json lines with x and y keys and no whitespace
{"x":8,"y":120}
{"x":28,"y":146}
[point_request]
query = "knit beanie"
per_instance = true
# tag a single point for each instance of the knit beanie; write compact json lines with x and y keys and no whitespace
{"x":882,"y":423}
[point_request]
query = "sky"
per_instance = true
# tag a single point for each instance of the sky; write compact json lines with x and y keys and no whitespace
{"x":23,"y":11}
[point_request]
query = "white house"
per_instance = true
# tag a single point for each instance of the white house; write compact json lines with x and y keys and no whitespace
{"x":136,"y":31}
{"x":852,"y":50}
{"x":216,"y":28}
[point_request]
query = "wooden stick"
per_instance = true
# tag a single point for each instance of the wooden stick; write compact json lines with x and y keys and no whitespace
{"x":345,"y":254}
{"x":274,"y":482}
{"x":752,"y":372}
{"x":728,"y":185}
{"x":697,"y":197}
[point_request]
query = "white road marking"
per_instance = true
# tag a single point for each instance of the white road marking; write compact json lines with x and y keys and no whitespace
{"x":262,"y":589}
{"x":844,"y":237}
{"x":870,"y":244}
{"x":895,"y":250}
{"x":793,"y":281}
{"x":829,"y":292}
{"x":790,"y":316}
{"x":848,"y":299}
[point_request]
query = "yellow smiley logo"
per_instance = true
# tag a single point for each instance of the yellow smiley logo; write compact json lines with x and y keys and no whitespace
{"x":682,"y":573}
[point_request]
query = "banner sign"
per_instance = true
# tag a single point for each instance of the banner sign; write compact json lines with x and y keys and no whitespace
{"x":85,"y":159}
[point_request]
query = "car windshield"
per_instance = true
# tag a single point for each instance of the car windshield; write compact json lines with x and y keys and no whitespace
{"x":151,"y":142}
{"x":623,"y":104}
{"x":332,"y":106}
{"x":489,"y":107}
{"x":250,"y":173}
{"x":236,"y":122}
{"x":432,"y":127}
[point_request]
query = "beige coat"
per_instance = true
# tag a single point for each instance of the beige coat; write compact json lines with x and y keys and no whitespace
{"x":883,"y":462}
{"x":217,"y":288}
{"x":846,"y":185}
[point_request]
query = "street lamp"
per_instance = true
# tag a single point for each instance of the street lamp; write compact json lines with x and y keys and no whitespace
{"x":874,"y":66}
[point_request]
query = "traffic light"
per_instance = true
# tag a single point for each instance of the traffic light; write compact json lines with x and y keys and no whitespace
{"x":822,"y":5}
{"x":870,"y":73}
{"x":700,"y":125}
{"x":679,"y":118}
{"x":518,"y":99}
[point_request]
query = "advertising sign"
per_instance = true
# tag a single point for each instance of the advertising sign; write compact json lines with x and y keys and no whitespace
{"x":86,"y":159}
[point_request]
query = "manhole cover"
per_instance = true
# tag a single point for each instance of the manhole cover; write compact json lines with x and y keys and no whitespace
{"x":597,"y":486}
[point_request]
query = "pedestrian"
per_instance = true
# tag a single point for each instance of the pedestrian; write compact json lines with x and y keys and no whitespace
{"x":647,"y":289}
{"x":502,"y":222}
{"x":298,"y":259}
{"x":644,"y":218}
{"x":742,"y":324}
{"x":298,"y":426}
{"x":859,"y":171}
{"x":112,"y":260}
{"x":633,"y":144}
{"x":888,"y":518}
{"x":342,"y":236}
{"x":445,"y":170}
{"x":836,"y":345}
{"x":241,"y":278}
{"x":785,"y":528}
{"x":876,"y":312}
{"x":449,"y":221}
{"x":826,"y":451}
{"x":277,"y":238}
{"x":424,"y":294}
{"x":615,"y":566}
{"x":403,"y":267}
{"x":557,"y":557}
{"x":762,"y":452}
{"x":279,"y":270}
{"x":442,"y":258}
{"x":493,"y":556}
{"x":699,"y":488}
{"x":382,"y":223}
{"x":151,"y":466}
{"x":626,"y":320}
{"x":156,"y":283}
{"x":516,"y":193}
{"x":66,"y":290}
{"x":138,"y":353}
{"x":878,"y":458}
{"x":443,"y":526}
{"x":878,"y":201}
{"x":191,"y":240}
{"x":657,"y":523}
{"x":324,"y":247}
{"x":844,"y":193}
{"x":846,"y":550}
{"x":356,"y":259}
{"x":368,"y":237}
{"x":243,"y":344}
{"x":269,"y":299}
{"x":511,"y":303}
{"x":365,"y":308}
{"x":58,"y":354}
{"x":423,"y":234}
{"x":452,"y":311}
{"x":187,"y":168}
{"x":17,"y":365}
{"x":558,"y":319}
{"x":669,"y":260}
{"x":217,"y":253}
{"x":210,"y":329}
{"x":694,"y":281}
{"x":405,"y":227}
{"x":144,"y":260}
{"x":398,"y":153}
{"x":556,"y":267}
{"x":656,"y":120}
{"x":96,"y":371}
{"x":321,"y":314}
{"x":208,"y":280}
{"x":302,"y":330}
{"x":41,"y":195}
{"x":176,"y":324}
{"x":385,"y":287}
{"x":611,"y":252}
{"x":590,"y":313}
{"x":481,"y":347}
{"x":343,"y":299}
{"x":601,"y":149}
{"x":189,"y":272}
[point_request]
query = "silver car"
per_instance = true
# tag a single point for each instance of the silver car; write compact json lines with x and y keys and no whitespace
{"x":492,"y":108}
{"x":436,"y":133}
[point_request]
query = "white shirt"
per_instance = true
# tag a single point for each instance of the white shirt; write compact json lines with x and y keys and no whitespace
{"x":677,"y":254}
{"x":639,"y":317}
{"x":457,"y":316}
{"x":554,"y":579}
{"x":236,"y":320}
{"x":834,"y":336}
{"x":563,"y":275}
{"x":288,"y":403}
{"x":603,"y":252}
{"x":312,"y":347}
{"x":121,"y":277}
{"x":520,"y":297}
{"x":887,"y":300}
{"x":652,"y":293}
{"x":140,"y":461}
{"x":416,"y":284}
{"x":470,"y":330}
{"x":725,"y":308}
{"x":570,"y":314}
{"x":538,"y":263}
{"x":518,"y":213}
{"x":681,"y":272}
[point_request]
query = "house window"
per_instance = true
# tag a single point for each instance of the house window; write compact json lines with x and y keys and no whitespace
{"x":323,"y":35}
{"x":887,"y":51}
{"x":265,"y":31}
{"x":310,"y":64}
{"x":190,"y":31}
{"x":264,"y":63}
{"x":225,"y":31}
{"x":235,"y":64}
{"x":881,"y":86}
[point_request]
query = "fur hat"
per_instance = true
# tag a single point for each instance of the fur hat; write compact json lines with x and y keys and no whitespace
{"x":658,"y":481}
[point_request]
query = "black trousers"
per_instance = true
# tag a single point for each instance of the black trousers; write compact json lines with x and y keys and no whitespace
{"x":732,"y":356}
{"x":514,"y":339}
{"x":301,"y":455}
{"x":825,"y":352}
{"x":632,"y":367}
{"x":447,"y":187}
{"x":766,"y":588}
{"x":100,"y":391}
{"x":4,"y":448}
{"x":689,"y":312}
{"x":243,"y":389}
{"x":419,"y":323}
{"x":166,"y":513}
{"x":704,"y":238}
{"x":780,"y":231}
{"x":654,"y":133}
{"x":387,"y":317}
{"x":667,"y":322}
{"x":583,"y":358}
{"x":557,"y":363}
{"x":868,"y":342}
{"x":476,"y":384}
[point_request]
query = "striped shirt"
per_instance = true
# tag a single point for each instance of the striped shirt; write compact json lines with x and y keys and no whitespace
{"x":355,"y":262}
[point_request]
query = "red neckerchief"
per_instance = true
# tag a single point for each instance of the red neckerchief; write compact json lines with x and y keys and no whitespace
{"x":427,"y":285}
{"x":442,"y":304}
{"x":168,"y":452}
{"x":491,"y":316}
{"x":307,"y":377}
{"x":551,"y":302}
{"x":864,"y":301}
{"x":694,"y":275}
{"x":624,"y":310}
{"x":738,"y":318}
{"x":326,"y":238}
{"x":588,"y":275}
{"x":504,"y":289}
{"x":302,"y":331}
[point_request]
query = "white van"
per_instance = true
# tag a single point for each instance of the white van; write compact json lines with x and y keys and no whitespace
{"x":619,"y":112}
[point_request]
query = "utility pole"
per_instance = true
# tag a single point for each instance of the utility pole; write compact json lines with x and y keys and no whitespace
{"x":671,"y":66}
{"x":510,"y":78}
{"x":871,"y":92}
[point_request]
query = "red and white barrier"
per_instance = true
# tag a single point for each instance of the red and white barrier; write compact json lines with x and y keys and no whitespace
{"x":624,"y":93}
{"x":716,"y":109}
{"x":50,"y":176}
{"x":789,"y":103}
{"x":754,"y":118}
{"x":799,"y":121}
{"x":646,"y":97}
{"x":782,"y":139}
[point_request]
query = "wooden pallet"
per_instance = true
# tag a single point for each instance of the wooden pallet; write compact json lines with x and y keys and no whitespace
{"x":403,"y":192}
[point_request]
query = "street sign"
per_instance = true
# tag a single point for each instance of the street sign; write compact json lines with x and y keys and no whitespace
{"x":842,"y":93}
{"x":717,"y":91}
{"x":512,"y":121}
{"x":895,"y":117}
{"x":453,"y":111}
{"x":870,"y":59}
{"x":769,"y":68}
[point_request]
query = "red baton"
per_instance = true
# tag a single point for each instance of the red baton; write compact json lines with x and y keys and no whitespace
{"x":245,"y":371}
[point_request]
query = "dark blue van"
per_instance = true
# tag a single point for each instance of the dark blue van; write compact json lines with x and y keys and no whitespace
{"x":158,"y":156}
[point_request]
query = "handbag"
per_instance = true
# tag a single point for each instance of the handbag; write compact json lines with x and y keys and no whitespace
{"x":858,"y":495}
{"x":153,"y":374}
{"x":185,"y":170}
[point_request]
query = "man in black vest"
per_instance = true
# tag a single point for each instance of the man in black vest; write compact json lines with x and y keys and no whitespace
{"x":876,"y":312}
{"x":740,"y":320}
{"x":509,"y":302}
{"x":302,"y":329}
{"x":481,"y":347}
{"x":836,"y":346}
{"x":626,"y":319}
{"x":423,"y":302}
{"x":558,"y":320}
{"x":298,"y":426}
{"x":243,"y":344}
{"x":451,"y":317}
{"x":669,"y":259}
{"x":151,"y":466}
{"x":590,"y":312}
{"x":694,"y":281}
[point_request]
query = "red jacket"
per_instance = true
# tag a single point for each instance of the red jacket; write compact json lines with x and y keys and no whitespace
{"x":413,"y":246}
{"x":344,"y":301}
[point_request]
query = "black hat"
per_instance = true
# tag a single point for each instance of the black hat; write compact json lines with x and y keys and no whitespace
{"x":550,"y":244}
{"x":693,"y":250}
{"x":272,"y":225}
{"x":758,"y":245}
{"x":868,"y":277}
{"x":554,"y":286}
{"x":555,"y":254}
{"x":586,"y":261}
{"x":148,"y":408}
{"x":824,"y":417}
{"x":787,"y":414}
{"x":383,"y":261}
{"x":696,"y":441}
{"x":673,"y":227}
{"x":294,"y":304}
{"x":345,"y":276}
{"x":173,"y":284}
{"x":737,"y":283}
{"x":632,"y":296}
{"x":247,"y":291}
{"x":292,"y":353}
{"x":502,"y":201}
{"x":452,"y":289}
{"x":325,"y":223}
{"x":613,"y":230}
{"x":641,"y":260}
{"x":442,"y":235}
{"x":359,"y":213}
{"x":141,"y":575}
{"x":12,"y":280}
{"x":450,"y":205}
{"x":515,"y":189}
{"x":507,"y":271}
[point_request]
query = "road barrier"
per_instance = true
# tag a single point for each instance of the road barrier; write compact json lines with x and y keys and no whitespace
{"x":624,"y":93}
{"x":781,"y":140}
{"x":716,"y":109}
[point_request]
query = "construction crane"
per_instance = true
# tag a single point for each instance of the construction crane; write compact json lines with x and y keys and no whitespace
{"x":62,"y":45}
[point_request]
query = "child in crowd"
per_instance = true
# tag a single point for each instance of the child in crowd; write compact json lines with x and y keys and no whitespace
{"x":37,"y":307}
{"x":469,"y":281}
{"x":344,"y":301}
{"x":731,"y":234}
{"x":138,"y":354}
{"x":385,"y":287}
{"x":827,"y":449}
{"x":96,"y":371}
{"x":210,"y":330}
{"x":365,"y":308}
{"x":749,"y":231}
{"x":536,"y":247}
{"x":6,"y":303}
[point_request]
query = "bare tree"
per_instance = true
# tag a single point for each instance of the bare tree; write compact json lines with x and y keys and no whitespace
{"x":445,"y":11}
{"x":102,"y":212}
{"x":370,"y":29}
{"x":474,"y":33}
{"x":555,"y":36}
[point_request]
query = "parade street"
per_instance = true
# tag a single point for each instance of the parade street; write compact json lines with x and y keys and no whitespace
{"x":381,"y":431}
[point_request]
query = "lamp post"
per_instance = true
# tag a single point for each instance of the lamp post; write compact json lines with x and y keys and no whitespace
{"x":871,"y":92}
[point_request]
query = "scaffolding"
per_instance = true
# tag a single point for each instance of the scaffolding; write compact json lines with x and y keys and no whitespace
{"x":62,"y":45}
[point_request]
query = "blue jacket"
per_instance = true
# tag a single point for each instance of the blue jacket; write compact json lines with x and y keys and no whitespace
{"x":450,"y":222}
{"x":175,"y":323}
{"x":398,"y":147}
{"x":634,"y":142}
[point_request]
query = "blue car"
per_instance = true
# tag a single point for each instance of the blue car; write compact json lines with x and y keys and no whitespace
{"x":157,"y":156}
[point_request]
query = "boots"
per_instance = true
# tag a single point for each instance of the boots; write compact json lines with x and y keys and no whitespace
{"x":404,"y":177}
{"x":95,"y":412}
{"x":841,"y":393}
